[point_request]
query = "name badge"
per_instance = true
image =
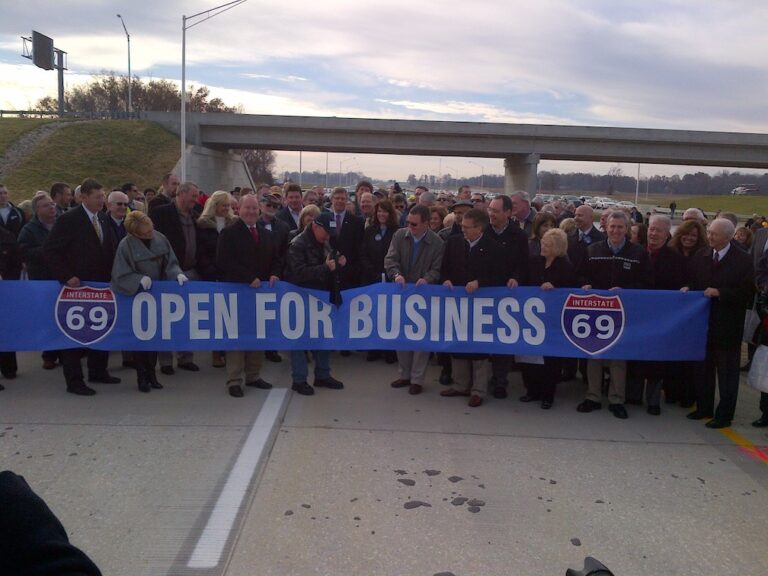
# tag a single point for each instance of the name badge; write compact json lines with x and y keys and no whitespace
{"x":333,"y":223}
{"x":627,"y":265}
{"x":377,"y":237}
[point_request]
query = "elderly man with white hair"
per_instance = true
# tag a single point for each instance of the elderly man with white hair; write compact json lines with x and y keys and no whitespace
{"x":694,"y":214}
{"x":726,"y":275}
{"x":522,"y":213}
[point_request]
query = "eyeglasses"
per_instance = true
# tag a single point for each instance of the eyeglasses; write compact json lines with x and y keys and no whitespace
{"x":413,"y":224}
{"x":120,"y":203}
{"x":477,"y":200}
{"x":442,"y":200}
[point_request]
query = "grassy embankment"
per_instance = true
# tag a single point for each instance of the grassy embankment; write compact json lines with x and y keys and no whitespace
{"x":112,"y":151}
{"x":12,"y":128}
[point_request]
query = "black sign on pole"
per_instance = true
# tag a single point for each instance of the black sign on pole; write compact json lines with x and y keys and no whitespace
{"x":42,"y":51}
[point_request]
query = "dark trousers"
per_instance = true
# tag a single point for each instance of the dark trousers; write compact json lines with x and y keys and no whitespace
{"x":543,"y":378}
{"x":145,"y":361}
{"x":8,"y":366}
{"x":764,"y":403}
{"x":500,"y":367}
{"x":721,"y":366}
{"x":73,"y":370}
{"x":687,"y":389}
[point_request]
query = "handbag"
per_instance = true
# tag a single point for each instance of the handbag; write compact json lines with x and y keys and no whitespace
{"x":758,"y":373}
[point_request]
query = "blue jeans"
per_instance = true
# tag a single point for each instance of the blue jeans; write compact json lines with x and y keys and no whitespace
{"x":299,"y":371}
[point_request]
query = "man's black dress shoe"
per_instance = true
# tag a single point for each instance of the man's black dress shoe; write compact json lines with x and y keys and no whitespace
{"x":618,"y":410}
{"x":104,"y":379}
{"x":761,"y":422}
{"x":261,"y":384}
{"x":236,"y":391}
{"x":717,"y":424}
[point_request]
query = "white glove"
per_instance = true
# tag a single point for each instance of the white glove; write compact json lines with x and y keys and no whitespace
{"x":146,"y":282}
{"x":181,"y":279}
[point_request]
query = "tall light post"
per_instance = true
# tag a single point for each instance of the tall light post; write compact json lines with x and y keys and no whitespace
{"x":344,"y":162}
{"x":128,"y":37}
{"x":457,"y":176}
{"x":482,"y":173}
{"x":184,"y":27}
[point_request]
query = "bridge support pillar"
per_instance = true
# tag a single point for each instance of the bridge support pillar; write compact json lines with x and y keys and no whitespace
{"x":520,"y":173}
{"x":215,"y":169}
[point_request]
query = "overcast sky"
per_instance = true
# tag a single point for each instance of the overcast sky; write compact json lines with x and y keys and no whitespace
{"x":695,"y":65}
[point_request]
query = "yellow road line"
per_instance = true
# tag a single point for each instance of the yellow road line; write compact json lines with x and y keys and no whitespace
{"x":745,"y":445}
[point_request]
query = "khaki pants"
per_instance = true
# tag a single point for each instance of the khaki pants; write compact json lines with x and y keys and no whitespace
{"x":241,"y":361}
{"x":470,"y":376}
{"x":413,"y":365}
{"x":618,"y":370}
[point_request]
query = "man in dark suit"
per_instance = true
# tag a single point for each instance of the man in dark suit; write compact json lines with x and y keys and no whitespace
{"x":10,"y":269}
{"x":11,"y":218}
{"x":726,"y":275}
{"x":586,"y":234}
{"x":348,"y":237}
{"x":513,"y":244}
{"x":246,"y":253}
{"x":471,"y":260}
{"x":167,"y":192}
{"x":80,"y":248}
{"x":294,"y":203}
{"x":117,"y":208}
{"x":667,"y":273}
{"x":176,"y":220}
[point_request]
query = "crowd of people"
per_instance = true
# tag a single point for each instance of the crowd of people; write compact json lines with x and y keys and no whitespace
{"x":334,"y":241}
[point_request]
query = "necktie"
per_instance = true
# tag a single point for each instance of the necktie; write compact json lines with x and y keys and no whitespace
{"x":585,"y":237}
{"x":97,"y":228}
{"x":254,"y":233}
{"x":339,"y":222}
{"x":716,"y":259}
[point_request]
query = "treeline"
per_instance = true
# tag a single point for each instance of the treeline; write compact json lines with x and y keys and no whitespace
{"x":698,"y":184}
{"x":109,"y":93}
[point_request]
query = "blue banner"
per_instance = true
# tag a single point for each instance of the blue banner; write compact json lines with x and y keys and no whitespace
{"x":623,"y":324}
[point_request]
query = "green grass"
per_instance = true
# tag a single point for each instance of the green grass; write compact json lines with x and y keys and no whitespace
{"x":112,"y":151}
{"x":743,"y":205}
{"x":12,"y":128}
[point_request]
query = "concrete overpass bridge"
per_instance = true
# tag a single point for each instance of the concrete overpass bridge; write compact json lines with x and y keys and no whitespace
{"x":520,"y":145}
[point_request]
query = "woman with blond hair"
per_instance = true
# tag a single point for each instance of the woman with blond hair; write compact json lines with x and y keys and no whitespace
{"x":217,"y":215}
{"x":144,"y":255}
{"x":550,"y":269}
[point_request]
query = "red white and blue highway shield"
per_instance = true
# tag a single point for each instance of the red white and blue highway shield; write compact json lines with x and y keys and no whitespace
{"x":86,"y":314}
{"x":593,"y":323}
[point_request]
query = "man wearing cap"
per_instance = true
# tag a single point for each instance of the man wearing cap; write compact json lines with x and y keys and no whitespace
{"x":246,"y":253}
{"x":414,"y":257}
{"x":311,"y":264}
{"x":458,"y":210}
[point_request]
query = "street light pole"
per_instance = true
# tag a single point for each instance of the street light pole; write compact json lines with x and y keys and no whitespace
{"x":208,"y":15}
{"x":342,"y":162}
{"x":482,"y":173}
{"x":128,"y":37}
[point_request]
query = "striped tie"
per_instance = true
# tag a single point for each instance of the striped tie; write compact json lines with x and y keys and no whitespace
{"x":97,"y":228}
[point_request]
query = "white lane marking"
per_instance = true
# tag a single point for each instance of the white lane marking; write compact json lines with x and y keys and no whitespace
{"x":210,"y":545}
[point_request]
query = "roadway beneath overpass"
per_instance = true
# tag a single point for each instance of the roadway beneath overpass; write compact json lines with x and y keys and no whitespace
{"x":138,"y":479}
{"x":520,"y":145}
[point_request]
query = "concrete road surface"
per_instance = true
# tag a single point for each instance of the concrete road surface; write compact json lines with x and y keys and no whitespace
{"x":370,"y":480}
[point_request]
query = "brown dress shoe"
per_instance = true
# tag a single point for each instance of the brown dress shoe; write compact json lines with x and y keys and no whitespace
{"x":49,"y":364}
{"x":450,"y":392}
{"x":475,"y":401}
{"x":400,"y":383}
{"x":217,"y":360}
{"x":415,"y":389}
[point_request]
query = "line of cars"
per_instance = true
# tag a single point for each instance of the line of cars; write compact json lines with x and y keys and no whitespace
{"x":597,"y":202}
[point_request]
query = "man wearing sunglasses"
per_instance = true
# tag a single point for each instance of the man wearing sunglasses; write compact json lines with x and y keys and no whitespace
{"x":117,"y":206}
